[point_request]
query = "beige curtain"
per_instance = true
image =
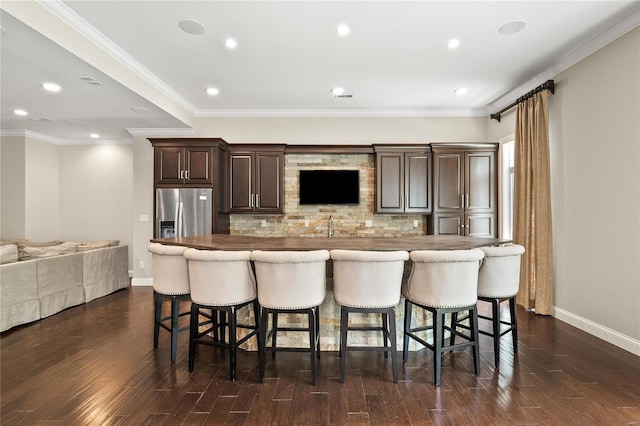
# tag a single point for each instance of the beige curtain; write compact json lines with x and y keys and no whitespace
{"x":532,"y":204}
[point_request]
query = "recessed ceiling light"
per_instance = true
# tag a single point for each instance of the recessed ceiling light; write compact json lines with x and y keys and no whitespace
{"x":94,"y":136}
{"x":140,"y":109}
{"x":231,"y":43}
{"x":51,"y":87}
{"x":20,"y":112}
{"x":212,"y":91}
{"x":512,"y":27}
{"x":337,"y":91}
{"x":461,"y":91}
{"x":94,"y":83}
{"x":343,"y":30}
{"x":191,"y":26}
{"x":2,"y":31}
{"x":41,"y":119}
{"x":453,"y":43}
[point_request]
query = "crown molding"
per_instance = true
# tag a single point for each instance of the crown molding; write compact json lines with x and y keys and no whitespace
{"x":61,"y":141}
{"x":389,"y":113}
{"x":31,"y":135}
{"x":75,"y":21}
{"x":161,"y":131}
{"x":588,"y":48}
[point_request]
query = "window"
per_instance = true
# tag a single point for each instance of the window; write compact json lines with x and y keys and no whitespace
{"x":507,"y":187}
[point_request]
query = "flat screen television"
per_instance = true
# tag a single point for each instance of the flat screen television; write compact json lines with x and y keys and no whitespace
{"x":329,"y":187}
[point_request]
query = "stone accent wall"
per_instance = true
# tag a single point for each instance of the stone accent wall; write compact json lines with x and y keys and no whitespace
{"x":349,"y":220}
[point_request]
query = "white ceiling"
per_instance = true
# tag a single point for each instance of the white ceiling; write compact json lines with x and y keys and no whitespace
{"x":394,"y":62}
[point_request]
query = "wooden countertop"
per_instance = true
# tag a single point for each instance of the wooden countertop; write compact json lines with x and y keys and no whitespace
{"x":242,"y":242}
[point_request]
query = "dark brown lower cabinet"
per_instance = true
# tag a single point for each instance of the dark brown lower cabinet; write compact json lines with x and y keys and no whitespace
{"x":471,"y":225}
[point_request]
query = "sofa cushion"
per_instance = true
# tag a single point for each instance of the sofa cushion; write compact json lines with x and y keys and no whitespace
{"x":28,"y":243}
{"x":29,"y":252}
{"x":86,"y":246}
{"x":8,"y":254}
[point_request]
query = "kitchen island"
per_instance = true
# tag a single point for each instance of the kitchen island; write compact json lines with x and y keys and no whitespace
{"x":329,"y":310}
{"x":243,"y":242}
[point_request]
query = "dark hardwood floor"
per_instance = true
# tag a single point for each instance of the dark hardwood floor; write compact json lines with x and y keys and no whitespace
{"x":95,"y":365}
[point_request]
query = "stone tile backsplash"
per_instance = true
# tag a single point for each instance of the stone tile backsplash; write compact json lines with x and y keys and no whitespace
{"x":349,"y":220}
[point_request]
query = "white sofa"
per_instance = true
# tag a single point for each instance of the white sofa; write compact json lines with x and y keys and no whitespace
{"x":37,"y":288}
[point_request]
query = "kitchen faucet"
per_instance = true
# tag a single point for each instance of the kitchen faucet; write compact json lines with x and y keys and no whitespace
{"x":330,"y":226}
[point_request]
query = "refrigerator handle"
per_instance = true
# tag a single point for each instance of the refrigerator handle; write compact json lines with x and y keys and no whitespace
{"x":179,"y":220}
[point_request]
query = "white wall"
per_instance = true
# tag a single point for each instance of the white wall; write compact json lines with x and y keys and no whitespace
{"x":595,"y":178}
{"x":42,"y":189}
{"x":12,"y":187}
{"x":96,"y":184}
{"x":596,"y":127}
{"x":344,"y":130}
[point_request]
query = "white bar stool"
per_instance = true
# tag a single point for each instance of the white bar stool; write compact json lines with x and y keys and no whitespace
{"x":221,"y":282}
{"x":498,"y":281}
{"x":170,"y":280}
{"x":290,"y":282}
{"x":368,"y":282}
{"x":443,"y":282}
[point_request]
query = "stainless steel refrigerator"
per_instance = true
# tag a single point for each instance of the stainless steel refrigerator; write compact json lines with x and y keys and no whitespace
{"x":183,"y":212}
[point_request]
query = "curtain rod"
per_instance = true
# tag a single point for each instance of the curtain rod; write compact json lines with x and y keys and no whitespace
{"x":547,"y":85}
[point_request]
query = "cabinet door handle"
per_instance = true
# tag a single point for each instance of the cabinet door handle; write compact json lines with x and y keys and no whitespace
{"x":257,"y":200}
{"x":186,"y":174}
{"x":251,"y":203}
{"x":181,"y":174}
{"x":462,"y":200}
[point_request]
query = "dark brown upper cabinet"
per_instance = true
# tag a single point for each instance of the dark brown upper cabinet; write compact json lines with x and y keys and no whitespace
{"x":465,"y":187}
{"x":403,"y":179}
{"x":256,"y":179}
{"x":184,"y":165}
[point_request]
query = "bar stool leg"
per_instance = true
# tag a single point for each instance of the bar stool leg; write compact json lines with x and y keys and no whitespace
{"x":312,"y":342}
{"x":514,"y":324}
{"x":232,"y":342}
{"x":473,"y":315}
{"x":437,"y":345}
{"x":262,"y":341}
{"x":407,"y":329}
{"x":385,"y":332}
{"x":495,"y":312}
{"x":317,"y":332}
{"x":344,"y":323}
{"x":394,"y":345}
{"x":193,"y":333}
{"x":175,"y":307}
{"x":158,"y":317}
{"x":274,"y":331}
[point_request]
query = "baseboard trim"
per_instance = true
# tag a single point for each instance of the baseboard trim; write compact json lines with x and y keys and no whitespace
{"x":615,"y":338}
{"x":142,"y":282}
